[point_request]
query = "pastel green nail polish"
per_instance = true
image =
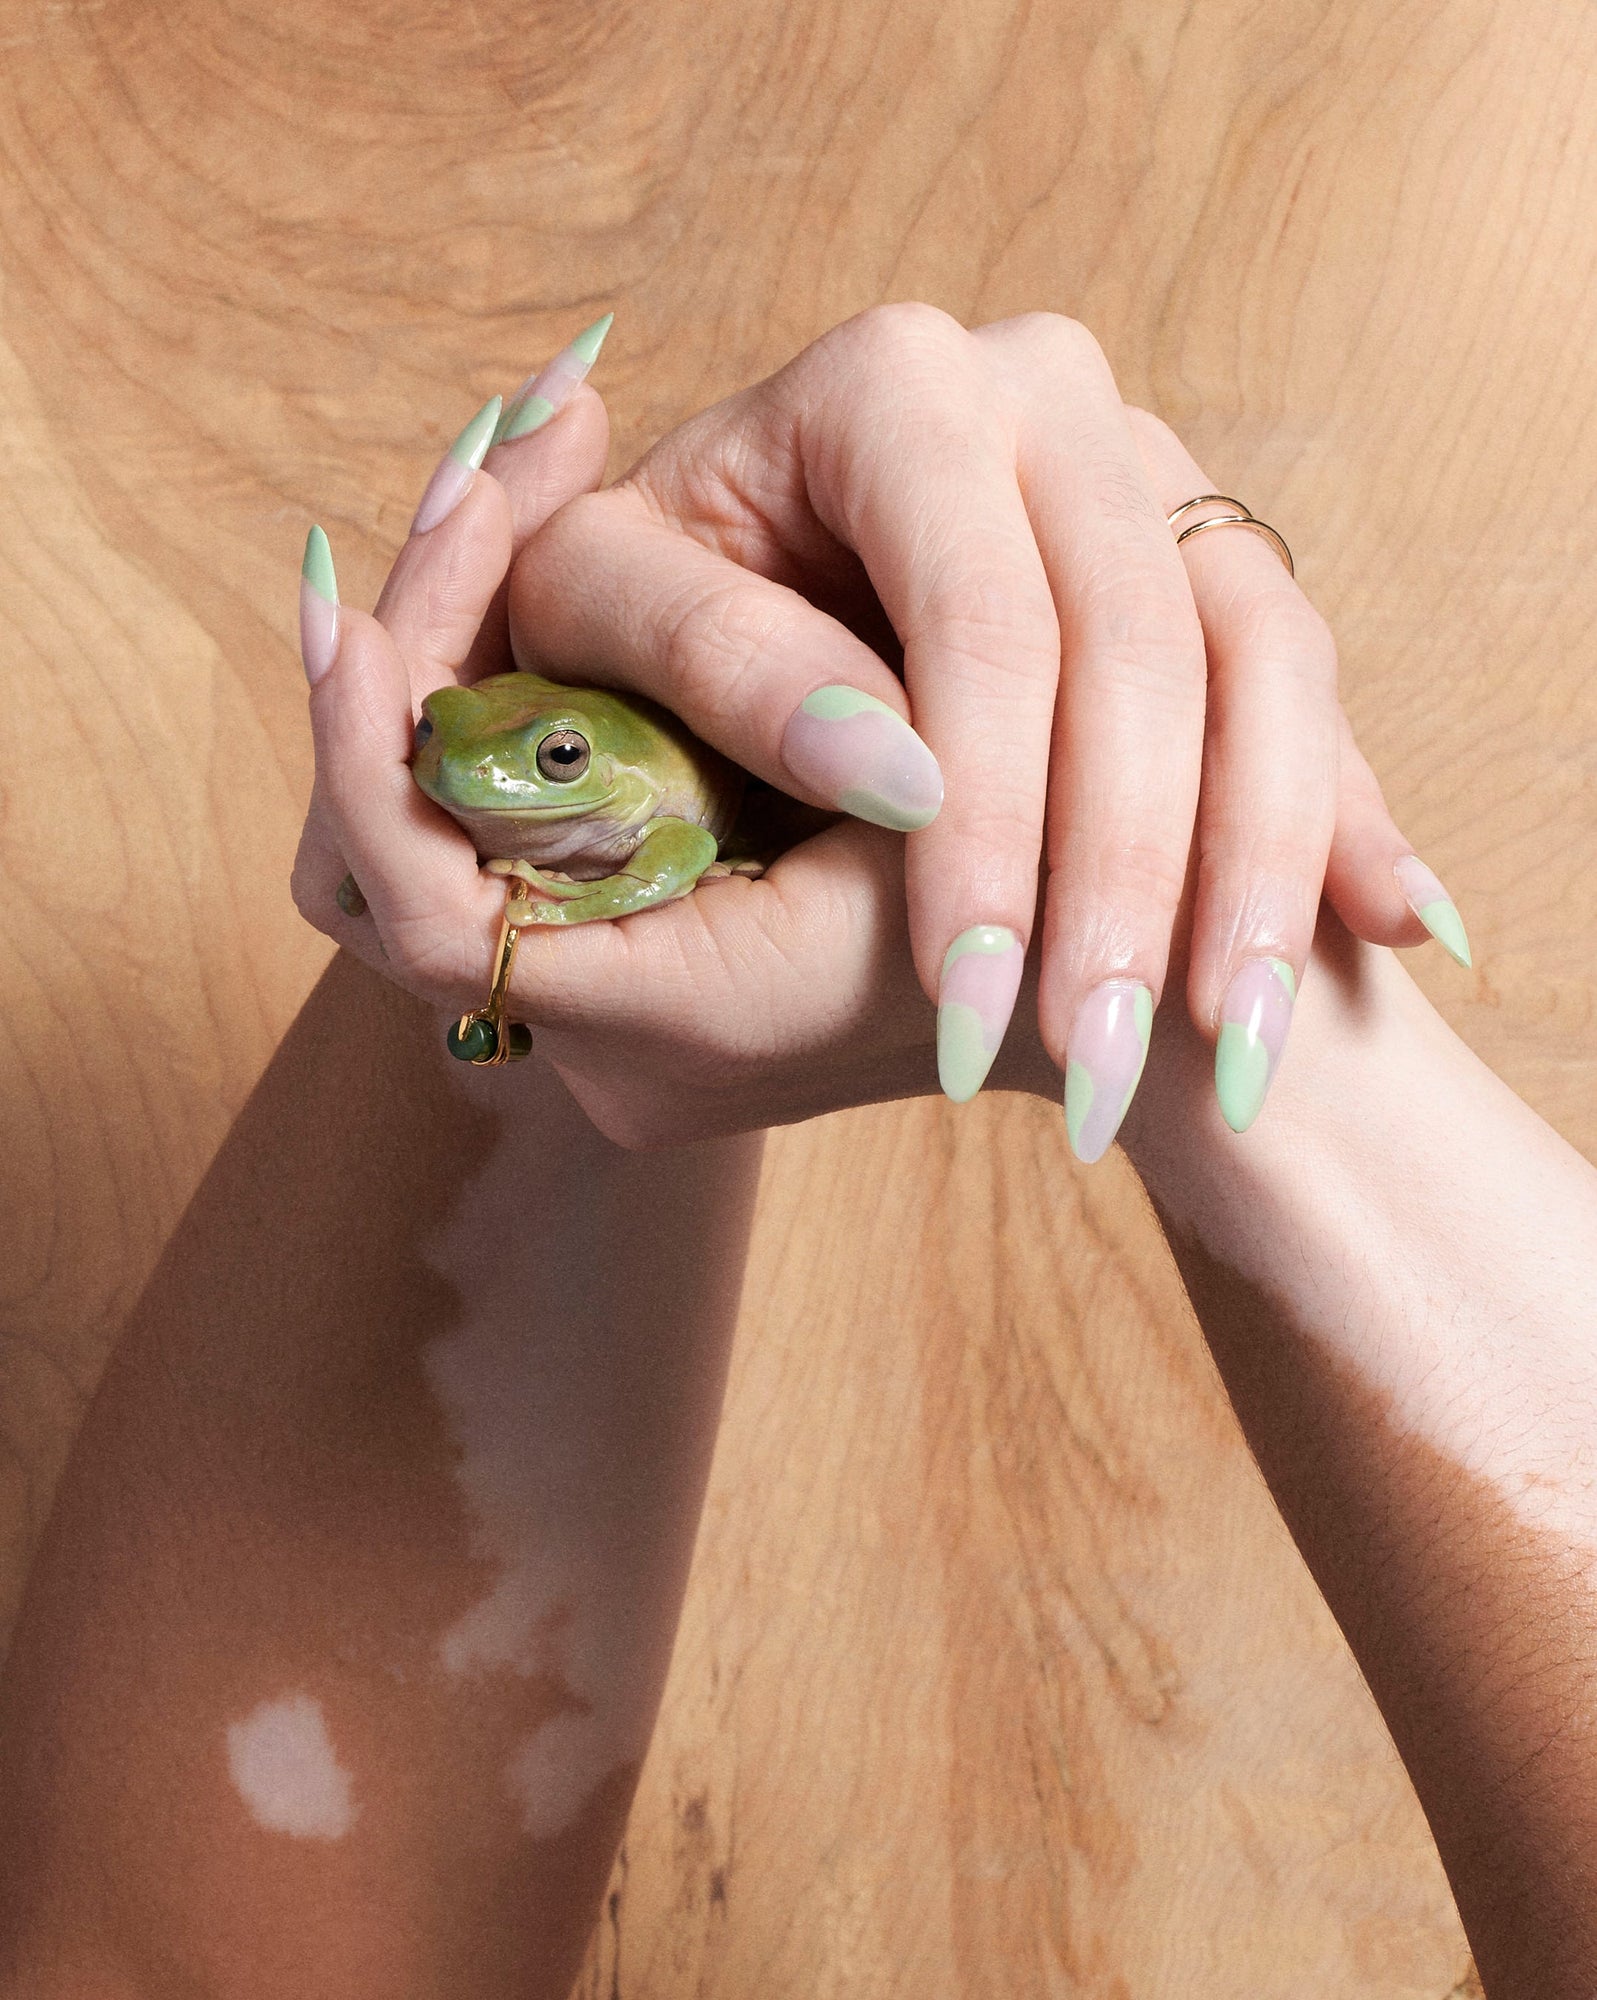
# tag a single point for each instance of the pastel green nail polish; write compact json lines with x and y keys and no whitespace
{"x":975,"y":998}
{"x":318,"y":607}
{"x":317,"y":568}
{"x":551,"y":388}
{"x":1434,"y":907}
{"x":846,"y":747}
{"x":1104,"y":1057}
{"x":1254,"y":1018}
{"x":450,"y":484}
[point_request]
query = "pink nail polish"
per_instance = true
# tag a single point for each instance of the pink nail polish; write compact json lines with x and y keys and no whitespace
{"x":1104,"y":1055}
{"x":975,"y":998}
{"x":1254,"y":1017}
{"x":856,"y":753}
{"x":318,"y":607}
{"x":551,"y":388}
{"x":457,"y":468}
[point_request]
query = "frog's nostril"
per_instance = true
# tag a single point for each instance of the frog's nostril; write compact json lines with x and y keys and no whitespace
{"x":424,"y":730}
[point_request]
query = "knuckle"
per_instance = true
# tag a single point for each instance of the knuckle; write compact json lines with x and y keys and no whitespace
{"x":992,"y":615}
{"x":1054,"y":340}
{"x":902,"y":326}
{"x":1284,"y":627}
{"x":1145,"y":638}
{"x":711,"y":643}
{"x":1142,"y":876}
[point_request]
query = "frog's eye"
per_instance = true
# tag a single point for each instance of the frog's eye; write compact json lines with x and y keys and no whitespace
{"x":424,"y":730}
{"x":563,"y":756}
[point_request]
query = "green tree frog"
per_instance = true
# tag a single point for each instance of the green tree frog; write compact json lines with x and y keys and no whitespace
{"x":599,"y":803}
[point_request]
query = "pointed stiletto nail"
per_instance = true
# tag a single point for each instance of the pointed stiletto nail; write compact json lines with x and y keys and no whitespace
{"x":1104,"y":1054}
{"x":550,"y":388}
{"x":457,"y":468}
{"x":975,"y":998}
{"x":1254,"y":1018}
{"x":856,"y":753}
{"x":318,"y":607}
{"x":1434,"y":907}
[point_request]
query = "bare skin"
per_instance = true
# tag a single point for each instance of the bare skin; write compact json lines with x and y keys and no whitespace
{"x":364,"y":1573}
{"x":362,"y":1582}
{"x":1394,"y":1271}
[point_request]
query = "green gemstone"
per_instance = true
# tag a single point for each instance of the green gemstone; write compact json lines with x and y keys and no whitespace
{"x":472,"y":1046}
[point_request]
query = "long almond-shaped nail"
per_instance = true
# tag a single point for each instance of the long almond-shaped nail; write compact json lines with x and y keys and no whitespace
{"x":318,"y":607}
{"x":457,"y":468}
{"x":853,"y":751}
{"x":1104,"y":1054}
{"x":975,"y":998}
{"x":1254,"y":1017}
{"x":1434,"y":907}
{"x":550,"y":388}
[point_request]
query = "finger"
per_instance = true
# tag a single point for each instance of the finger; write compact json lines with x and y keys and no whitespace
{"x":910,"y":446}
{"x":1270,"y":781}
{"x":449,"y":580}
{"x":417,"y":871}
{"x":1376,"y":883}
{"x":444,"y":578}
{"x":925,"y":493}
{"x":610,"y":591}
{"x":1128,"y":734}
{"x":541,"y":468}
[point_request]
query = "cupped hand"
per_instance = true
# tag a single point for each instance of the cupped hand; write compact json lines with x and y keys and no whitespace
{"x":977,"y":508}
{"x":749,"y":1003}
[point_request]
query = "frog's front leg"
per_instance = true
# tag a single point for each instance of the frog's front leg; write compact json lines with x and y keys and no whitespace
{"x":665,"y":864}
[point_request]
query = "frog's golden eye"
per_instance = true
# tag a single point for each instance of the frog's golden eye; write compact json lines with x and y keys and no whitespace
{"x":424,"y":730}
{"x":563,"y":756}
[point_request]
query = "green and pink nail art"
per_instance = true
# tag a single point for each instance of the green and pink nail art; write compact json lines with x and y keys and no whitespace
{"x":1104,"y":1055}
{"x":1434,"y":907}
{"x":975,"y":998}
{"x":853,"y":751}
{"x":1254,"y":1018}
{"x":552,"y":387}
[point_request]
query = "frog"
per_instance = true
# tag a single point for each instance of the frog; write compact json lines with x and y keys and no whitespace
{"x":596,"y":803}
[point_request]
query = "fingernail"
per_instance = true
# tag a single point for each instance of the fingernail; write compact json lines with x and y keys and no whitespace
{"x":457,"y":468}
{"x":1104,"y":1054}
{"x":318,"y":607}
{"x":536,"y":401}
{"x":1434,"y":907}
{"x":852,"y":750}
{"x":975,"y":998}
{"x":1254,"y":1018}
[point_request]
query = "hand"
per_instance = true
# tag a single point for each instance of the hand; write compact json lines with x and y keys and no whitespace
{"x":747,"y":1004}
{"x":733,"y":546}
{"x":978,"y":508}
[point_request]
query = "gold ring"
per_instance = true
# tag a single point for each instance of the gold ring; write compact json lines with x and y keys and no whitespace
{"x":1239,"y":517}
{"x":484,"y":1036}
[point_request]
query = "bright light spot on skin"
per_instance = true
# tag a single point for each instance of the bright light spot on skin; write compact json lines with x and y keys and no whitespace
{"x":284,"y":1769}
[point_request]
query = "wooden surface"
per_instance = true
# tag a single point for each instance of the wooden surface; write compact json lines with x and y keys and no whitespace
{"x":998,"y":1675}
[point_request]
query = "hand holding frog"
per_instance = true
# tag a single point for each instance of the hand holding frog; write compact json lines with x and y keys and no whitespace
{"x":739,"y":577}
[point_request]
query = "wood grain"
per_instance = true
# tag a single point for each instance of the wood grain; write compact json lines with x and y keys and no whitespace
{"x":999,"y":1674}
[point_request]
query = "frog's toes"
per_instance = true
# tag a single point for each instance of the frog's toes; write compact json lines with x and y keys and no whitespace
{"x":749,"y":868}
{"x":524,"y":869}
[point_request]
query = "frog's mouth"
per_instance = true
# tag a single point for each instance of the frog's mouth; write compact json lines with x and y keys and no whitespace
{"x":551,"y":835}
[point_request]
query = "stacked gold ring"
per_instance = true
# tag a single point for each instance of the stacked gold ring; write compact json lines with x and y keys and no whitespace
{"x":1238,"y":516}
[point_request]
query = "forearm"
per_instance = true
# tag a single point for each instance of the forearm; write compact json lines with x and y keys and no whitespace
{"x":1396,"y":1270}
{"x":345,"y":1643}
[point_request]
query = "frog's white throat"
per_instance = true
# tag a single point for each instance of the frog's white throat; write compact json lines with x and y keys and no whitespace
{"x":585,"y":844}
